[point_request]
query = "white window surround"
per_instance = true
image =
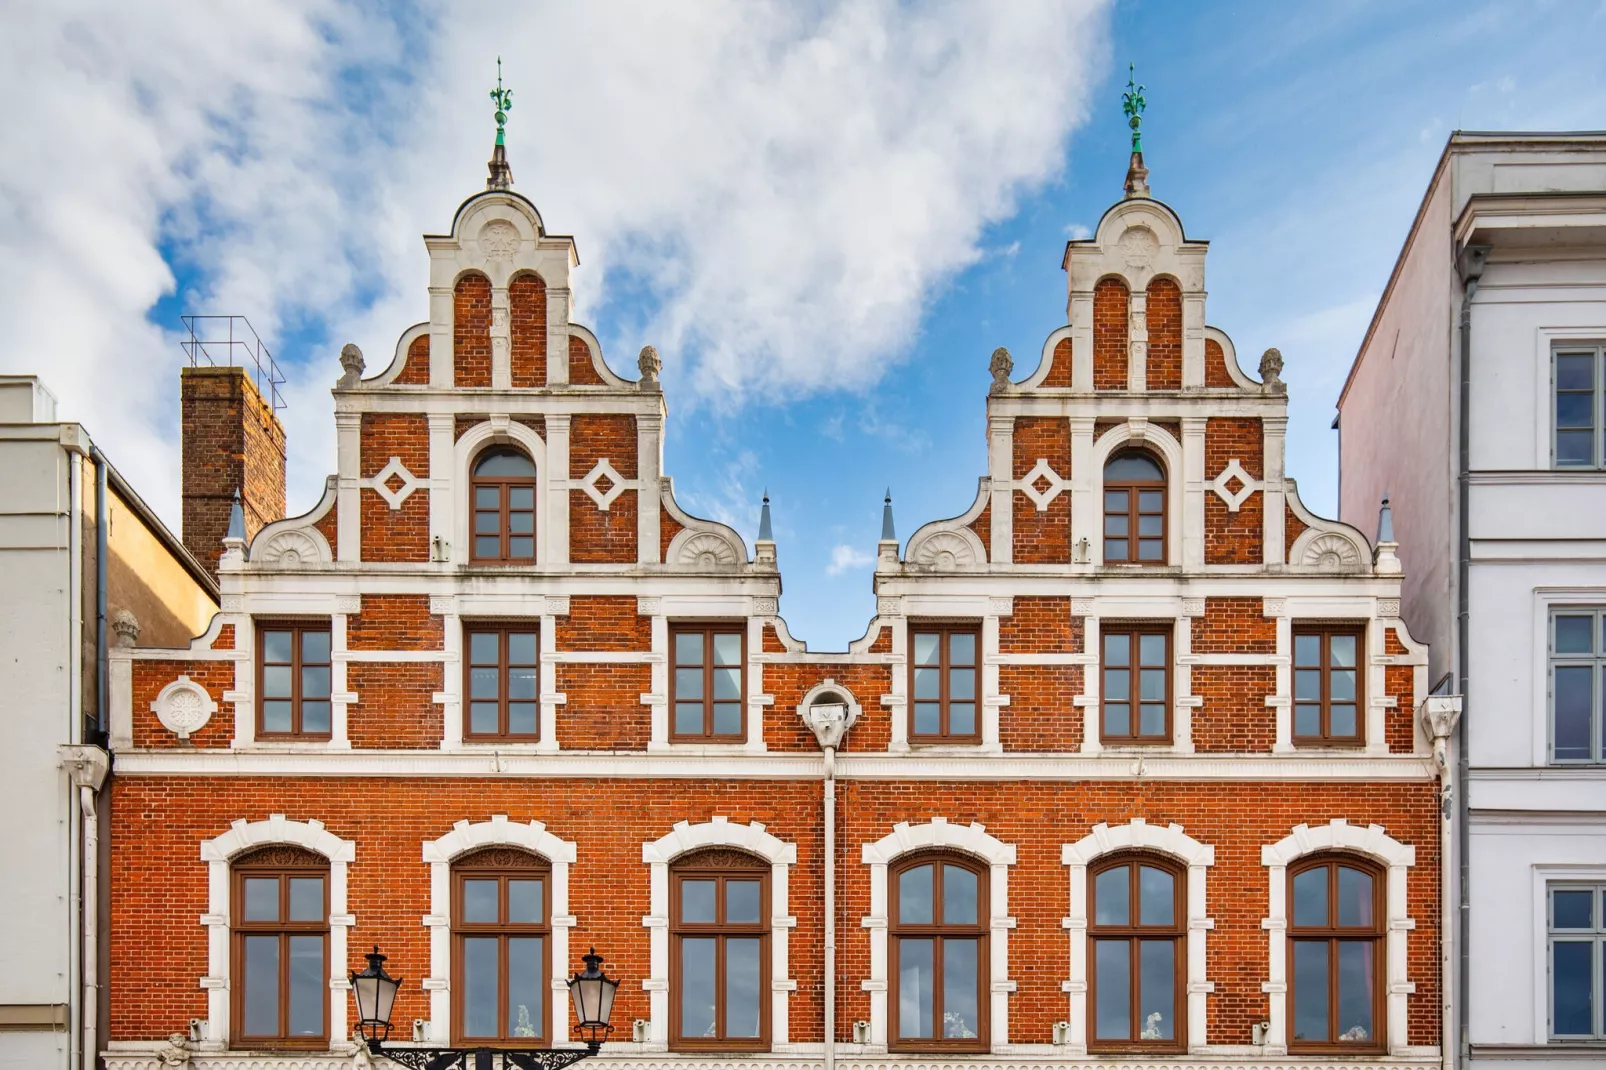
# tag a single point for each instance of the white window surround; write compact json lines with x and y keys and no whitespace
{"x":657,"y":700}
{"x":1136,"y":433}
{"x":1339,"y":836}
{"x":1544,"y":875}
{"x":440,"y":854}
{"x":505,"y":430}
{"x":972,"y":839}
{"x":1138,"y":836}
{"x":1183,"y":700}
{"x":1547,"y":601}
{"x":986,"y":613}
{"x":1547,"y":340}
{"x":718,"y":832}
{"x":218,"y":854}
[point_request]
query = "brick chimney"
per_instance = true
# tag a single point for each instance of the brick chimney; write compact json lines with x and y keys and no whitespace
{"x":232,"y":441}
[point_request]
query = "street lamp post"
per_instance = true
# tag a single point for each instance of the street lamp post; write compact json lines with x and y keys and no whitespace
{"x":375,"y":993}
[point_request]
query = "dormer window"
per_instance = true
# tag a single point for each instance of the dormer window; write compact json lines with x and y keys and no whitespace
{"x":503,"y":489}
{"x":1134,"y":510}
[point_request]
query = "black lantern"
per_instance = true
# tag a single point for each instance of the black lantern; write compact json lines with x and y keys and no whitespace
{"x":592,"y":991}
{"x":375,"y":991}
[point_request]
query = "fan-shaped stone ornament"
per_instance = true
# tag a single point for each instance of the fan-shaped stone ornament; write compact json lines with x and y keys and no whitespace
{"x":183,"y":707}
{"x":943,"y":551}
{"x":291,"y":549}
{"x":707,"y":550}
{"x":1332,"y":553}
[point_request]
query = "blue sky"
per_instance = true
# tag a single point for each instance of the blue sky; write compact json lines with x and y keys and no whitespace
{"x":825,"y":216}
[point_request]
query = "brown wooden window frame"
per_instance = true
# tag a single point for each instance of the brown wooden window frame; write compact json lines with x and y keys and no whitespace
{"x":281,"y":861}
{"x":945,"y":630}
{"x":1135,"y":630}
{"x":503,"y":486}
{"x":501,"y":864}
{"x":297,"y":629}
{"x":708,"y":630}
{"x":721,"y":865}
{"x":1134,"y":931}
{"x":1325,"y":630}
{"x":938,"y":931}
{"x":1133,"y":513}
{"x":501,"y":629}
{"x":1334,"y":934}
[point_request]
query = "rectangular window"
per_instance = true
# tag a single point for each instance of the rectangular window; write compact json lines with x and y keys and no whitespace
{"x":1577,"y":927}
{"x":280,"y":957}
{"x":943,"y":669}
{"x":501,"y":685}
{"x":1577,"y":658}
{"x":1577,"y":406}
{"x":293,"y":667}
{"x":1328,"y":706}
{"x":1136,"y":694}
{"x":708,"y":683}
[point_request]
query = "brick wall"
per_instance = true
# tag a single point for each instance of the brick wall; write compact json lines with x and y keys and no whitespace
{"x":1293,"y":528}
{"x":1110,"y":306}
{"x":1233,"y":626}
{"x":594,"y":535}
{"x":1234,"y":717}
{"x":1163,"y":368}
{"x":604,"y":710}
{"x":395,"y":704}
{"x":415,"y":371}
{"x":982,"y":527}
{"x":231,"y":441}
{"x":1045,"y":536}
{"x":395,"y":622}
{"x":603,"y":623}
{"x":668,"y":528}
{"x":1233,"y":538}
{"x":149,"y":677}
{"x":526,"y":299}
{"x":1040,"y":626}
{"x":1040,"y":715}
{"x":471,"y":331}
{"x":329,"y":527}
{"x":395,"y":534}
{"x":784,"y":730}
{"x":1216,"y":373}
{"x":581,"y":368}
{"x":1059,"y":368}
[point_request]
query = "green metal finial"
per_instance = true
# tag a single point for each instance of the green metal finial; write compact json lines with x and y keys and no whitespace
{"x":503,"y":99}
{"x":1132,"y":104}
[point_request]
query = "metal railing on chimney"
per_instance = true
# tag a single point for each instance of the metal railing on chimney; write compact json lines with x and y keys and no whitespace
{"x":230,"y":342}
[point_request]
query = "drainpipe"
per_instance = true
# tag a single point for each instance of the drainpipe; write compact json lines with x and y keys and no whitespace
{"x":830,"y":714}
{"x":87,"y":766}
{"x":102,"y":531}
{"x":1439,"y":715}
{"x":1470,"y":267}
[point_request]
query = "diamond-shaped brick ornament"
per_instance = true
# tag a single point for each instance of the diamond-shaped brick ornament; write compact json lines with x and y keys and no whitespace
{"x":1234,"y":473}
{"x":397,"y":473}
{"x":604,"y":483}
{"x":1041,"y":473}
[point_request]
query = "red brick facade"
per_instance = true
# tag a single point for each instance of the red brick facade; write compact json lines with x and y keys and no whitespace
{"x":1110,"y":301}
{"x":1042,"y":535}
{"x":526,"y":301}
{"x":233,"y":443}
{"x":471,"y":331}
{"x":1164,"y":318}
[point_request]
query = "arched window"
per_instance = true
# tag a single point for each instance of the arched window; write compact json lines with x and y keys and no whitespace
{"x":720,"y":959}
{"x":281,"y":948}
{"x":503,"y":486}
{"x":1136,"y":966}
{"x":939,"y":954}
{"x":1134,"y":509}
{"x":1336,"y":931}
{"x":501,"y":947}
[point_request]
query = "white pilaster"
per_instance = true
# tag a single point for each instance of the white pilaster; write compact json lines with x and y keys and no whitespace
{"x":1137,"y":341}
{"x":1086,"y":487}
{"x":442,"y":432}
{"x":348,"y":468}
{"x":557,"y":459}
{"x":442,"y":319}
{"x":1193,"y":491}
{"x":1193,"y":340}
{"x":649,"y":463}
{"x":1000,"y":465}
{"x":501,"y":340}
{"x":557,"y":337}
{"x":1272,"y":494}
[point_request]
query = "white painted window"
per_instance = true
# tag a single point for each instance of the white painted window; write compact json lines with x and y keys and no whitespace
{"x":1577,"y":663}
{"x":1576,"y":410}
{"x":1576,"y":924}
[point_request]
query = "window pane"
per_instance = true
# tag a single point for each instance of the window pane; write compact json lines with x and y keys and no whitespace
{"x":482,"y":718}
{"x":521,"y":683}
{"x":480,"y":995}
{"x":961,"y":648}
{"x":483,"y":648}
{"x":928,"y":721}
{"x":916,"y":979}
{"x":521,"y":718}
{"x":728,"y":649}
{"x":961,"y":683}
{"x":1150,"y":525}
{"x":1355,"y":987}
{"x":1575,"y":635}
{"x":504,"y":462}
{"x":524,"y":1002}
{"x":688,"y":718}
{"x":688,"y":648}
{"x":1308,"y":650}
{"x":697,"y":986}
{"x":306,"y":898}
{"x":928,"y":683}
{"x":308,"y":985}
{"x":727,"y":718}
{"x":315,"y":718}
{"x":1575,"y":371}
{"x":1342,"y":721}
{"x":276,"y":716}
{"x":1151,"y":650}
{"x":1112,"y":897}
{"x":1112,"y":963}
{"x":1341,"y":651}
{"x":1116,"y":550}
{"x":276,"y":681}
{"x":927,"y":652}
{"x":1117,"y":719}
{"x":1151,"y":719}
{"x":742,"y":902}
{"x":1308,"y":685}
{"x":1149,"y":501}
{"x":488,"y":546}
{"x":688,"y":683}
{"x":1115,"y":501}
{"x":697,"y":900}
{"x":479,"y":901}
{"x":521,"y":523}
{"x":1151,"y":685}
{"x":1117,"y":649}
{"x":521,"y":648}
{"x":914,"y":895}
{"x":1307,"y":720}
{"x":276,"y":646}
{"x":1572,"y":908}
{"x":1157,"y":990}
{"x":521,"y":497}
{"x":1148,"y":550}
{"x":524,"y":900}
{"x":959,"y":985}
{"x":1573,"y":410}
{"x":1574,"y":688}
{"x":261,"y":899}
{"x":1310,"y":990}
{"x":1572,"y":989}
{"x":1575,"y":447}
{"x":1341,"y":685}
{"x":1118,"y":684}
{"x":261,"y":995}
{"x":315,"y":646}
{"x":958,"y":896}
{"x":1354,"y":897}
{"x":962,"y":719}
{"x":728,"y":683}
{"x":1156,"y":898}
{"x":1116,"y":524}
{"x":486,"y":497}
{"x":487,"y":523}
{"x":1310,"y":897}
{"x":315,"y":681}
{"x":521,"y":546}
{"x":742,"y":986}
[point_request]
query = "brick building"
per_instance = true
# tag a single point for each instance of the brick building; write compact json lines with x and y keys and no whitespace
{"x":1128,"y":767}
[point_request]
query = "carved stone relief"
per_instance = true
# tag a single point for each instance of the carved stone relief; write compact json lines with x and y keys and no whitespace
{"x":499,"y":240}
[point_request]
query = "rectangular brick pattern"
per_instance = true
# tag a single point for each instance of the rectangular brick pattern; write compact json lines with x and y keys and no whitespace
{"x":1233,"y":538}
{"x":581,"y":369}
{"x":415,"y":372}
{"x":1042,"y":537}
{"x":526,"y":300}
{"x":1163,"y":367}
{"x":231,"y":442}
{"x":596,"y":536}
{"x":471,"y":331}
{"x":395,"y":534}
{"x":1216,"y":373}
{"x":1110,"y":308}
{"x":1059,"y":369}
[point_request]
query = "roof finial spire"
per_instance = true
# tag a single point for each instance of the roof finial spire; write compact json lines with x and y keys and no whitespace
{"x":765,"y":531}
{"x":1132,"y":105}
{"x":888,"y":532}
{"x":501,"y":173}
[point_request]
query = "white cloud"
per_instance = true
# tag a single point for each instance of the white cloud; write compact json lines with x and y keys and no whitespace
{"x":1078,"y":231}
{"x":845,"y":557}
{"x":789,"y":184}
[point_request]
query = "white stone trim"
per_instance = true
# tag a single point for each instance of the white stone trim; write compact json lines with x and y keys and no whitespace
{"x":718,"y":832}
{"x":972,"y":839}
{"x":1376,"y":844}
{"x":1090,"y":479}
{"x":218,"y":853}
{"x":394,"y":468}
{"x":184,"y":707}
{"x":1138,"y":835}
{"x":439,"y":854}
{"x":617,"y":484}
{"x":1248,"y":485}
{"x":1042,"y":470}
{"x":505,"y":430}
